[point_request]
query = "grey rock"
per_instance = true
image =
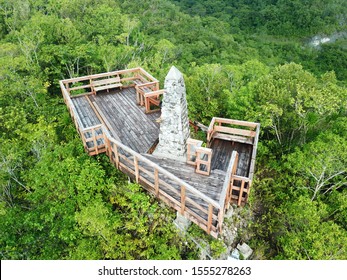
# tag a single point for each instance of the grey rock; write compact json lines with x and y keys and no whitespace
{"x":182,"y":222}
{"x":245,"y":250}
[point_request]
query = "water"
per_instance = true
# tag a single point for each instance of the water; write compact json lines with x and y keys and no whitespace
{"x":318,"y":40}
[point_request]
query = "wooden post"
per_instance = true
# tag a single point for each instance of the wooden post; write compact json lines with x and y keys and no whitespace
{"x":156,"y":182}
{"x":147,"y":105}
{"x":137,"y":172}
{"x":93,"y":131}
{"x":137,"y":95}
{"x":183,"y":199}
{"x":220,"y":219}
{"x":241,"y":193}
{"x":108,"y":146}
{"x":209,"y":221}
{"x":116,"y":154}
{"x":67,"y":86}
{"x":232,"y":179}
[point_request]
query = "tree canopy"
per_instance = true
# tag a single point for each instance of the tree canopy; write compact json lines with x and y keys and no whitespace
{"x":248,"y":60}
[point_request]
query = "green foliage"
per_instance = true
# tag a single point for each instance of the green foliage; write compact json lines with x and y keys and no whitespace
{"x":323,"y":163}
{"x":242,"y":59}
{"x":307,"y":236}
{"x":205,"y":90}
{"x":291,"y":102}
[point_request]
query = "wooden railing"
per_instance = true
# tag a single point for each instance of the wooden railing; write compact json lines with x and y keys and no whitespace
{"x":142,"y":89}
{"x":127,"y":79}
{"x":228,"y":129}
{"x":153,"y":98}
{"x":192,"y":145}
{"x":225,"y":196}
{"x":166,"y":186}
{"x":94,"y":139}
{"x":242,"y":186}
{"x":208,"y":213}
{"x":217,"y":129}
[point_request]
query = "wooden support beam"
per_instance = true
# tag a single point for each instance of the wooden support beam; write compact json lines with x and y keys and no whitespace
{"x":156,"y":182}
{"x":220,"y":219}
{"x":209,"y":219}
{"x":93,"y":131}
{"x":241,"y":193}
{"x":108,"y":147}
{"x":116,"y":154}
{"x":183,"y":199}
{"x":137,"y":172}
{"x":236,"y":122}
{"x":236,"y":131}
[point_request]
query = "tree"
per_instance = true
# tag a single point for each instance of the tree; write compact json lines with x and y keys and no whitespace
{"x":323,"y":162}
{"x":290,"y":102}
{"x":305,"y":234}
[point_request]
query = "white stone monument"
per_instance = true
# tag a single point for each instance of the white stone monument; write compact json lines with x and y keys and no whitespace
{"x":174,"y":126}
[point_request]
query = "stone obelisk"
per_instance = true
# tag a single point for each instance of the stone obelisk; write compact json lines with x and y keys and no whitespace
{"x":174,"y":126}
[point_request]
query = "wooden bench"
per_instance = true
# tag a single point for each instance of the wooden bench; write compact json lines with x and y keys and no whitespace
{"x":234,"y":138}
{"x":232,"y":134}
{"x":105,"y":84}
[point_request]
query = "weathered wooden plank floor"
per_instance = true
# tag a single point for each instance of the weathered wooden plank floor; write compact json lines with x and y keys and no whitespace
{"x":85,"y":111}
{"x":208,"y":185}
{"x":128,"y":121}
{"x":222,"y":151}
{"x":211,"y":185}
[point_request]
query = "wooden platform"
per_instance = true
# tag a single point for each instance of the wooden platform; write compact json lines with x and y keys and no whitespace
{"x":85,"y":111}
{"x":222,"y":151}
{"x":116,"y":123}
{"x":125,"y":119}
{"x":210,"y":185}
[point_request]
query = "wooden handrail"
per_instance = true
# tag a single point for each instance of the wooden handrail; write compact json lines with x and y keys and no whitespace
{"x":154,"y":93}
{"x":254,"y":152}
{"x":70,"y":105}
{"x":163,"y":171}
{"x":91,"y":127}
{"x":95,"y":76}
{"x":235,"y":131}
{"x":242,"y":178}
{"x":236,"y":122}
{"x":144,"y":72}
{"x":210,"y":127}
{"x":149,"y":84}
{"x":227,"y":179}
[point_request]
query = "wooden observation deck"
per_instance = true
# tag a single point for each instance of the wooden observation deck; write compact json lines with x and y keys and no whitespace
{"x":115,"y":113}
